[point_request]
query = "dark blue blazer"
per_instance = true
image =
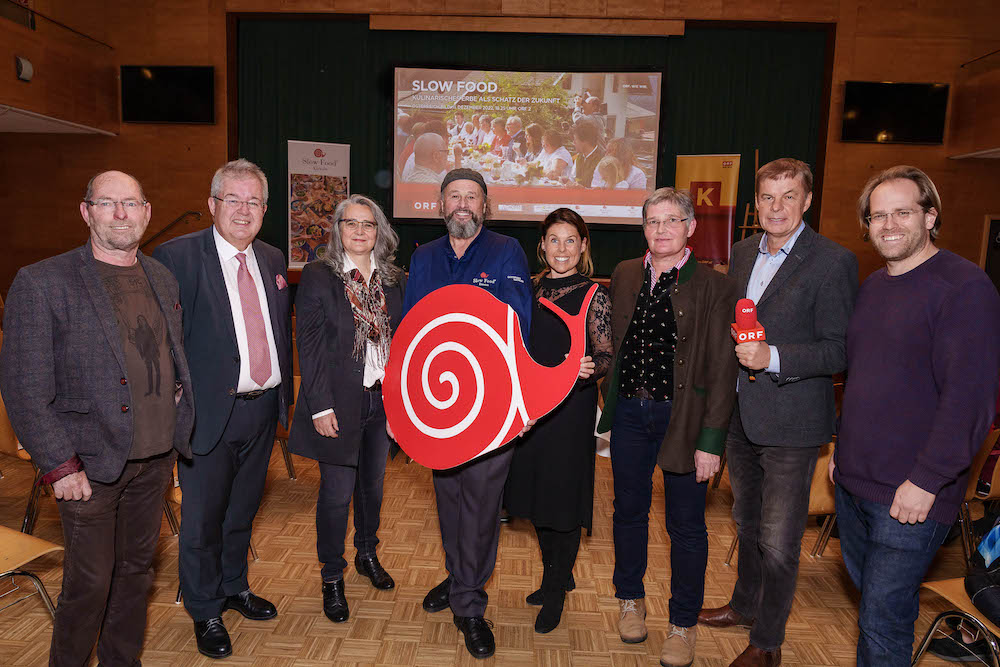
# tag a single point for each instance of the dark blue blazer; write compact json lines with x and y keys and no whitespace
{"x":209,"y":332}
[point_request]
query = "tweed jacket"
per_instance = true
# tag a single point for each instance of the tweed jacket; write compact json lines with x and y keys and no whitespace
{"x":209,"y":332}
{"x":804,"y":311}
{"x":705,"y":365}
{"x":331,"y":376}
{"x":62,"y":366}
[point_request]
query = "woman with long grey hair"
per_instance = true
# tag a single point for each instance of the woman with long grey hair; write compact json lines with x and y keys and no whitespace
{"x":347,"y":307}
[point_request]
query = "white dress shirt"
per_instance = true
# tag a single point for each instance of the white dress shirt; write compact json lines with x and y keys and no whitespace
{"x":230,"y":267}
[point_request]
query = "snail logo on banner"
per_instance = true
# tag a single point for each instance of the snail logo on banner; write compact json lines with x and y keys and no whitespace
{"x":460,"y":383}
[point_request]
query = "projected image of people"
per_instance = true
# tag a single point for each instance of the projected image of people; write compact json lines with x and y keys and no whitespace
{"x":537,"y":138}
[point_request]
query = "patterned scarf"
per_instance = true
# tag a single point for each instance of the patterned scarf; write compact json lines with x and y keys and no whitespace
{"x":371,"y":316}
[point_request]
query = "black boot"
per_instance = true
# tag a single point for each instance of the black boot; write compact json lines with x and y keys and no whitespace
{"x":563,"y":547}
{"x":553,"y":588}
{"x":536,"y":597}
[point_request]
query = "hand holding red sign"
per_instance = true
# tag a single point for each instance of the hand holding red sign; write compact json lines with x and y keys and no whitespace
{"x":460,"y":383}
{"x":747,"y":329}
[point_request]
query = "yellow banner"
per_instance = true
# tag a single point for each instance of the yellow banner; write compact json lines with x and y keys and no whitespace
{"x":712,"y":181}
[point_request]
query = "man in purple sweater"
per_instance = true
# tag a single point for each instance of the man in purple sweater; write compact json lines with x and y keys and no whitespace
{"x":923,"y":358}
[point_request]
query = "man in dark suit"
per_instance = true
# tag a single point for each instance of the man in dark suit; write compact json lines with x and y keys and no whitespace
{"x":804,"y":287}
{"x":237,"y":333}
{"x":82,"y":330}
{"x":586,"y":138}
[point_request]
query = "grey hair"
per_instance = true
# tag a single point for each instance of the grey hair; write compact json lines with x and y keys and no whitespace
{"x":89,"y":195}
{"x":386,"y":241}
{"x":238,"y":169}
{"x":680,"y":198}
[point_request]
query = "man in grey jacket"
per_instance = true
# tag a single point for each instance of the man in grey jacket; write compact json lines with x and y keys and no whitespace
{"x":804,"y":287}
{"x":85,"y":332}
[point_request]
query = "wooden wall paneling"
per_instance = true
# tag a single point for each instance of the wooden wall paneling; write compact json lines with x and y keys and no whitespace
{"x":578,"y":7}
{"x":566,"y":26}
{"x":525,"y":8}
{"x":638,"y":9}
{"x":472,"y":7}
{"x":975,"y":124}
{"x":74,"y":78}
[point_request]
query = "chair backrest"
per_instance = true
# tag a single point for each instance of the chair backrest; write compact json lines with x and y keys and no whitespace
{"x":976,"y":468}
{"x":821,"y":499}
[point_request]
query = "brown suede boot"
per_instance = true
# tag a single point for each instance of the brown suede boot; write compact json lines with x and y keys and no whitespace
{"x":678,"y":647}
{"x":632,"y":622}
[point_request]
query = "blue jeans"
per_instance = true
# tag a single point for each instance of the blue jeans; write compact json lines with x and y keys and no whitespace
{"x":887,"y":561}
{"x":636,"y":436}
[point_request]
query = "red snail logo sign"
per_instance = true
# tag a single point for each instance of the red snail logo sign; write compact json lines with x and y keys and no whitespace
{"x":319,"y":153}
{"x":460,"y":383}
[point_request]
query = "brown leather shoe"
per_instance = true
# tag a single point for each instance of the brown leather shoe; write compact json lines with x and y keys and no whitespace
{"x":756,"y":657}
{"x":723,"y":617}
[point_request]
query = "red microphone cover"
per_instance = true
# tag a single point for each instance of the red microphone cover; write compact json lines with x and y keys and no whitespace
{"x":746,"y":328}
{"x":746,"y":314}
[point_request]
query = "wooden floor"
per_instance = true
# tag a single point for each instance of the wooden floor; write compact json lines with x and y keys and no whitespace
{"x":390,"y":628}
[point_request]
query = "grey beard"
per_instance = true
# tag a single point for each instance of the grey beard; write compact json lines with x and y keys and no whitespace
{"x":461,"y":230}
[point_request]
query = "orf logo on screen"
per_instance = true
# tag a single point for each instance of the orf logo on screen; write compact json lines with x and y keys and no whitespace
{"x":726,"y":164}
{"x":425,"y":205}
{"x":319,"y":153}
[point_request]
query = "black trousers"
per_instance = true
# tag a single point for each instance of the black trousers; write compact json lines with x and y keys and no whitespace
{"x":221,"y":491}
{"x":339,"y":483}
{"x":468,"y":502}
{"x":770,"y":505}
{"x":108,"y":566}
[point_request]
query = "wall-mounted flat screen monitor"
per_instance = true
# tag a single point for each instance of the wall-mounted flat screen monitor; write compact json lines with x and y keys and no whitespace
{"x":541,"y":140}
{"x":894,"y":113}
{"x":168,"y":94}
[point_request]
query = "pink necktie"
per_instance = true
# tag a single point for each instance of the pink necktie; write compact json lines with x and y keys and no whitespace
{"x":253,"y":319}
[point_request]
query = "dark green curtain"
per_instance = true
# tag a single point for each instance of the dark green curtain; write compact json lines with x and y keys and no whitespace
{"x":331,"y":79}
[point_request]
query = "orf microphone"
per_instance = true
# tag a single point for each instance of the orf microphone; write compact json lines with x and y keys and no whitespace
{"x":746,"y":328}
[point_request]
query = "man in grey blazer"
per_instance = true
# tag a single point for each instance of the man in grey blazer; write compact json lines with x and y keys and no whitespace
{"x":237,"y":335}
{"x":98,"y":390}
{"x":804,"y":287}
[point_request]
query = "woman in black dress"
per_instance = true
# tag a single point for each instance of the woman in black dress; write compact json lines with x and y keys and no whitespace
{"x":347,"y":307}
{"x":551,"y":479}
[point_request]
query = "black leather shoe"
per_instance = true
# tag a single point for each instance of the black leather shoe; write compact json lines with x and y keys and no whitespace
{"x":537,"y":598}
{"x":212,"y":638}
{"x":335,"y":602}
{"x":438,"y":598}
{"x":368,"y":566}
{"x":251,"y":606}
{"x":478,"y":635}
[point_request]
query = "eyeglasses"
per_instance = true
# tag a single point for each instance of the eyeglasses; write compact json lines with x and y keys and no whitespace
{"x":668,"y":222}
{"x":110,"y":204}
{"x":352,"y":225}
{"x":232,"y":202}
{"x":900,"y":215}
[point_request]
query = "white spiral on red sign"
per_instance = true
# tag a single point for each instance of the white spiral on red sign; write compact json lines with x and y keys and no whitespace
{"x":458,"y":425}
